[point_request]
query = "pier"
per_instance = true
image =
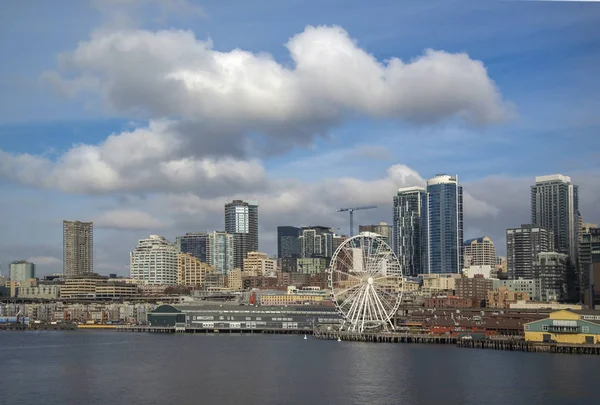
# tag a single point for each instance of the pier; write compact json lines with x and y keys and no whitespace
{"x":386,"y":337}
{"x":188,"y":329}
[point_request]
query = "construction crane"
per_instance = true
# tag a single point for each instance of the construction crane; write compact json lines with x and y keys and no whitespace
{"x":351,"y":212}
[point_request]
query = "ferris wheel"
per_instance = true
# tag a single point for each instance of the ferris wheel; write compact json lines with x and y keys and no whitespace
{"x":365,"y":278}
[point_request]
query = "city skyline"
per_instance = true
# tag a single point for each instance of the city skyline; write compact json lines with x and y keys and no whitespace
{"x":106,"y":137}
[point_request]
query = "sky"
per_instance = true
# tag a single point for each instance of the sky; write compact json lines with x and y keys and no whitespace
{"x":147,"y":116}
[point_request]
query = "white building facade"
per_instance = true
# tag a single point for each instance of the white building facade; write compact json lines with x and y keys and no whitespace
{"x":154,"y":261}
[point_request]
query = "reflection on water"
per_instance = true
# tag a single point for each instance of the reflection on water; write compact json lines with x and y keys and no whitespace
{"x":99,"y":367}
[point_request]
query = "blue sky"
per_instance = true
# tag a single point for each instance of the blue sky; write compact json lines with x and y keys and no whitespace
{"x":541,"y":56}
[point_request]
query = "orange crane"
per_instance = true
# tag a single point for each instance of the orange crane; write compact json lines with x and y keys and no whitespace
{"x":351,"y":212}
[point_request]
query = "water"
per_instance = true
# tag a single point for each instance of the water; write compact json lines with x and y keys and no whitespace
{"x":99,"y":367}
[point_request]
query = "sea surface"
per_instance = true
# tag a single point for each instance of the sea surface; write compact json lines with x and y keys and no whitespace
{"x":101,"y":367}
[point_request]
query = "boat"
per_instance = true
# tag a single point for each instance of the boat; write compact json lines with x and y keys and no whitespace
{"x":339,"y":340}
{"x":305,"y":337}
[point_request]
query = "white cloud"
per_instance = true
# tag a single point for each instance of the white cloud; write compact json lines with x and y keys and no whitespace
{"x":145,"y":159}
{"x":128,"y":219}
{"x":166,"y":73}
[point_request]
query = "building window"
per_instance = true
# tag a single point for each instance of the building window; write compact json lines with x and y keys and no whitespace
{"x":585,"y":329}
{"x":545,"y":328}
{"x":526,"y":327}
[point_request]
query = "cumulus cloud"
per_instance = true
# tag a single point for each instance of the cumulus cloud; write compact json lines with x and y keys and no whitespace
{"x":128,"y":219}
{"x":154,"y":158}
{"x":172,"y":73}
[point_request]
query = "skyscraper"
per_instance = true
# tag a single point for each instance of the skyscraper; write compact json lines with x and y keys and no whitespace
{"x":407,"y":228}
{"x":589,"y":259}
{"x":78,"y":248}
{"x":382,"y":229}
{"x":241,"y":220}
{"x":21,"y":270}
{"x":288,"y":244}
{"x":316,"y":241}
{"x":221,"y":252}
{"x":523,"y":245}
{"x":479,"y":252}
{"x":154,"y":261}
{"x":555,"y":206}
{"x":194,"y":243}
{"x":442,"y":225}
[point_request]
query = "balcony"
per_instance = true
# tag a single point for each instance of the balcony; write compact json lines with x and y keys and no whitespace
{"x":563,"y":329}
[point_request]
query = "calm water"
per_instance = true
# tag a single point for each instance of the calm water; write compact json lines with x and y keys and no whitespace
{"x":99,"y":367}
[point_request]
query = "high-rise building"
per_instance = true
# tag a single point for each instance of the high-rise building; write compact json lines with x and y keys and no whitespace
{"x":288,"y":244}
{"x":241,"y":220}
{"x":479,"y":252}
{"x":221,"y":251}
{"x":442,"y":225}
{"x":555,"y":206}
{"x":154,"y":261}
{"x":589,"y":260}
{"x":382,"y":229}
{"x":337,"y":241}
{"x":522,"y":248}
{"x":21,"y":270}
{"x":78,"y":248}
{"x":407,"y":228}
{"x":316,"y":241}
{"x":191,"y":271}
{"x":551,"y":270}
{"x":194,"y":243}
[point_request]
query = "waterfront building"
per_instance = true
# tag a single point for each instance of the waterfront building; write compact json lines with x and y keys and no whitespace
{"x":248,"y":317}
{"x":551,"y":270}
{"x":40,"y":291}
{"x":479,"y":252}
{"x":503,"y":297}
{"x":260,"y":264}
{"x":191,"y":271}
{"x":154,"y":261}
{"x":565,"y":326}
{"x":555,"y":206}
{"x":81,"y":286}
{"x":288,"y":244}
{"x":476,"y":289}
{"x":382,"y":229}
{"x":78,"y":248}
{"x":447,"y":302}
{"x":21,"y":270}
{"x":522,"y":248}
{"x":316,"y":241}
{"x":531,"y":287}
{"x":222,"y":251}
{"x":442,"y":226}
{"x":435,"y":284}
{"x":113,"y":289}
{"x":195,"y":243}
{"x":290,"y":299}
{"x":241,"y":220}
{"x":407,"y":228}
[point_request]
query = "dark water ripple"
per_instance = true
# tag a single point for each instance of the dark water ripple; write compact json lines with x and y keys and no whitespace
{"x":99,"y":367}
